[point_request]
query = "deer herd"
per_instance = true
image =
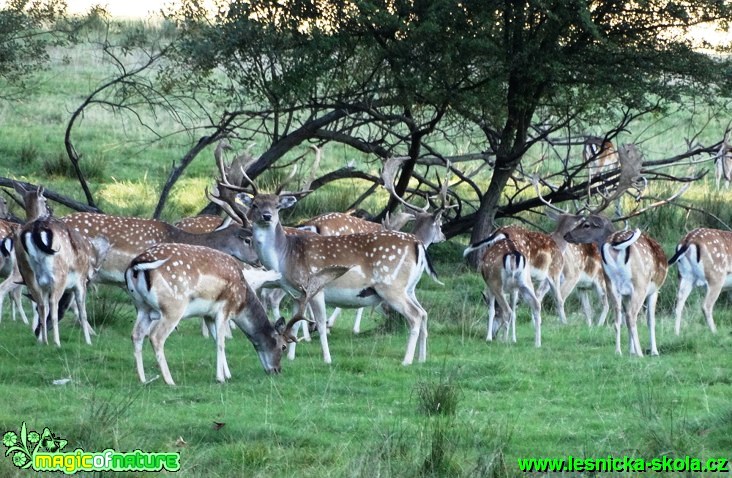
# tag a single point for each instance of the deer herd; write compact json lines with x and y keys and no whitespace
{"x":224,"y":270}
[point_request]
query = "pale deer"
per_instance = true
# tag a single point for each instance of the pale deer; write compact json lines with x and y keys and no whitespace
{"x":54,"y":259}
{"x":704,"y":258}
{"x":600,"y":156}
{"x":131,"y":236}
{"x":378,"y":267}
{"x":506,"y":272}
{"x":582,"y":267}
{"x":170,"y":282}
{"x":635,"y":267}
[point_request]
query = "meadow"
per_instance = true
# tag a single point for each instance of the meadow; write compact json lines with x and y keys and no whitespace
{"x":472,"y":409}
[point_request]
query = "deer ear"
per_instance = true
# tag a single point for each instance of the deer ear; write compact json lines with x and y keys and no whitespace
{"x":280,"y":325}
{"x":244,"y":199}
{"x":287,"y":201}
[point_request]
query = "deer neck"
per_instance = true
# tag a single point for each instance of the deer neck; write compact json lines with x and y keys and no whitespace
{"x":271,"y":245}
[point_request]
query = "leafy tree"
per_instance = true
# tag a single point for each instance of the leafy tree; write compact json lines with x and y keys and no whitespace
{"x":26,"y":29}
{"x":402,"y":77}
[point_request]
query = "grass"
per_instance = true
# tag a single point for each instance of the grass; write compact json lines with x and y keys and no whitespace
{"x":472,"y":409}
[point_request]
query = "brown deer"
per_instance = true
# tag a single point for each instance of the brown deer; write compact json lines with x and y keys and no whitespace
{"x":379,"y":267}
{"x":170,"y":282}
{"x":544,"y":259}
{"x":704,"y":258}
{"x":582,"y":267}
{"x":600,"y":156}
{"x":131,"y":236}
{"x":202,"y":224}
{"x":635,"y":268}
{"x":506,"y":271}
{"x":53,"y":259}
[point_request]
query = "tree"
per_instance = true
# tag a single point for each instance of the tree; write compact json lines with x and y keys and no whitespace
{"x":403,"y":77}
{"x":27,"y":29}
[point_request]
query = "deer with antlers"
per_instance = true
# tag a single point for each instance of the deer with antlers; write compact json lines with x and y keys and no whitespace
{"x":704,"y":258}
{"x":53,"y":259}
{"x":170,"y":282}
{"x":361,"y":269}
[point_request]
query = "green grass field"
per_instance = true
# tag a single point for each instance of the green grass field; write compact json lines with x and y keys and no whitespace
{"x":472,"y":409}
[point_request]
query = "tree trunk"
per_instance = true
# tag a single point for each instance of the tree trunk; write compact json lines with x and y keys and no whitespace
{"x":486,"y":215}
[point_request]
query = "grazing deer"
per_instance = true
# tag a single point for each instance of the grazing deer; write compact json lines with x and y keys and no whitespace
{"x":53,"y":259}
{"x":377,"y":267}
{"x":170,"y":282}
{"x":600,"y":155}
{"x":131,"y":236}
{"x":506,"y":271}
{"x":582,"y":267}
{"x":635,"y":267}
{"x":704,"y":258}
{"x":202,"y":224}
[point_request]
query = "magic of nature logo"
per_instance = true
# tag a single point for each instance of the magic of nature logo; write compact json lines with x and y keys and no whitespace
{"x":44,"y":451}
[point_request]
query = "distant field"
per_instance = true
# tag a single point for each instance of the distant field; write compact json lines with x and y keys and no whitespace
{"x":472,"y":409}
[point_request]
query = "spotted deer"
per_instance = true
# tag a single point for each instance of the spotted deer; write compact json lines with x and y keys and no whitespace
{"x":202,"y":224}
{"x":376,"y":267}
{"x":506,"y":272}
{"x":544,"y":259}
{"x":131,"y":236}
{"x":53,"y":259}
{"x":171,"y":282}
{"x":635,"y":267}
{"x":704,"y":258}
{"x":582,"y":268}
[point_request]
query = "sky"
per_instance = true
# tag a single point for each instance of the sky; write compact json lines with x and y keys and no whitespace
{"x":120,"y":8}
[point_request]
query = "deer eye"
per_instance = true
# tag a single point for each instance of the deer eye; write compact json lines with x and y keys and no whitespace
{"x":247,"y":241}
{"x":284,"y":347}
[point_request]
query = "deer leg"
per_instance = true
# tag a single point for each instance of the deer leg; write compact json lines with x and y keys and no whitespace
{"x":400,"y":301}
{"x":586,"y":307}
{"x":317,"y":305}
{"x":505,"y":312}
{"x":357,"y":321}
{"x":139,"y":332}
{"x":713,"y":291}
{"x":603,"y":296}
{"x":336,"y":313}
{"x":222,"y":368}
{"x":558,"y":299}
{"x":159,"y":335}
{"x":651,"y":317}
{"x":527,"y":292}
{"x":490,"y":301}
{"x":634,"y":303}
{"x":685,"y":287}
{"x":80,"y":299}
{"x":618,"y":308}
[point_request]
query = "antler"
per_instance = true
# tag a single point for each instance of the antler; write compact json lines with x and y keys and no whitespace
{"x":230,"y":207}
{"x":535,"y":181}
{"x":388,"y":174}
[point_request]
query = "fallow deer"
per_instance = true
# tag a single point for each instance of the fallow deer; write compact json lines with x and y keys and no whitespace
{"x":600,"y":156}
{"x":544,"y":258}
{"x":704,"y":258}
{"x":379,"y":267}
{"x":131,"y":236}
{"x":202,"y":224}
{"x":170,"y":282}
{"x":582,"y":267}
{"x":53,"y":259}
{"x":635,"y":267}
{"x":506,"y":271}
